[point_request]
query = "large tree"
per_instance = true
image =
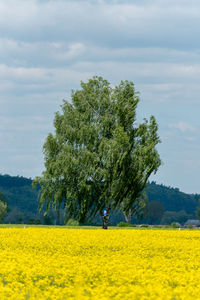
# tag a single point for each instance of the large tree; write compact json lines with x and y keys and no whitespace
{"x":98,"y":159}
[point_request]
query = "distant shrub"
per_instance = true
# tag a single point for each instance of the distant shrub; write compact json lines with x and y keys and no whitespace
{"x":34,"y":221}
{"x":124,"y":224}
{"x":72,"y":222}
{"x":175,"y":225}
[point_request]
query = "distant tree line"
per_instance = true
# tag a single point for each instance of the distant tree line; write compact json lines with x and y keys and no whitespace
{"x":22,"y":205}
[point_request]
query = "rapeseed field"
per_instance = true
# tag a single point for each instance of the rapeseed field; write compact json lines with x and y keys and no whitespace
{"x":61,"y":263}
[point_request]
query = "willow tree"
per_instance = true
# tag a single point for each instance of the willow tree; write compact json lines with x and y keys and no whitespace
{"x":98,"y":159}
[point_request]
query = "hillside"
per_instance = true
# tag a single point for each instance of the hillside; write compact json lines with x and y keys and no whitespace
{"x":23,"y":204}
{"x":171,"y":198}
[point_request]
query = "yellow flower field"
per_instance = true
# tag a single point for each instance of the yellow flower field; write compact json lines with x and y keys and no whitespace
{"x":61,"y":263}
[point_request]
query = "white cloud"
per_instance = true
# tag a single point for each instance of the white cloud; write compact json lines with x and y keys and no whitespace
{"x":48,"y":46}
{"x":183,"y":127}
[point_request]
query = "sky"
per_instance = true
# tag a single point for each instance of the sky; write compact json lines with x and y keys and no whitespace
{"x":48,"y":46}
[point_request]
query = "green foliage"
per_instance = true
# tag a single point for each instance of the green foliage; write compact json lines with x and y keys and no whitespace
{"x":72,"y":222}
{"x":175,"y":225}
{"x":173,"y":216}
{"x":22,"y":203}
{"x":47,"y":220}
{"x":34,"y":221}
{"x":171,"y":198}
{"x":156,"y":211}
{"x":3,"y":207}
{"x":98,"y":157}
{"x":19,"y":192}
{"x":124,"y":224}
{"x":15,"y":216}
{"x":138,"y":208}
{"x":198,"y":210}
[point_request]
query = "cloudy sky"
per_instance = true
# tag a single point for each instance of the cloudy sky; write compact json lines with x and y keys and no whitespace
{"x":48,"y":46}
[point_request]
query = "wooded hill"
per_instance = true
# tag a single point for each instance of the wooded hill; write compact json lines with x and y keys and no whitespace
{"x":173,"y":204}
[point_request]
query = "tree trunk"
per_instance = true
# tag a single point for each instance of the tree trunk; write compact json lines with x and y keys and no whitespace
{"x":128,"y":216}
{"x":105,"y":218}
{"x":105,"y":222}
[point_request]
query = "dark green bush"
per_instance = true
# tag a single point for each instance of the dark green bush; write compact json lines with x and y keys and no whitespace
{"x":124,"y":224}
{"x":34,"y":221}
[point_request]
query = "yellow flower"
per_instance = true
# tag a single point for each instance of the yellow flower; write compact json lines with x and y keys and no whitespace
{"x":60,"y":263}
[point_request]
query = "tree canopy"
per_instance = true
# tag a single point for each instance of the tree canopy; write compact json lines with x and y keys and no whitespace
{"x":99,"y":158}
